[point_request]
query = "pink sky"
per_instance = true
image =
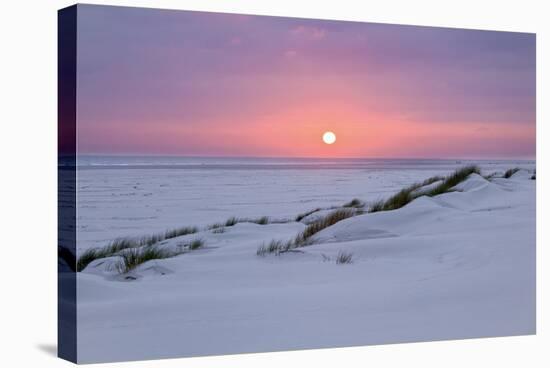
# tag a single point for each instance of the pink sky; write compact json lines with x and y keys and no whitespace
{"x":206,"y":84}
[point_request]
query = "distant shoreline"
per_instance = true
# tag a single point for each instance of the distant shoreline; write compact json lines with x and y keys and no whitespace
{"x":92,"y":162}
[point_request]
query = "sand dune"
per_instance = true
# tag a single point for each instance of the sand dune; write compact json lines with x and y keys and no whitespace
{"x":457,"y":265}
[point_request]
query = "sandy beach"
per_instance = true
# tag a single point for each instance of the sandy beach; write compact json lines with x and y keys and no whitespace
{"x":456,"y":265}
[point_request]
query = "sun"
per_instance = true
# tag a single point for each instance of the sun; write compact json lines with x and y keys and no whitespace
{"x":329,"y":137}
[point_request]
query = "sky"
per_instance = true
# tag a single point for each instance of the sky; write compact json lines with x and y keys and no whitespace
{"x":168,"y":82}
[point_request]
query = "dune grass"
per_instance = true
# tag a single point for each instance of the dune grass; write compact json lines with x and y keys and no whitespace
{"x":274,"y":246}
{"x":131,"y":258}
{"x":120,"y":244}
{"x":354,"y":203}
{"x":113,"y":248}
{"x":344,"y":258}
{"x":215,"y":226}
{"x":508,"y":173}
{"x":196,"y":244}
{"x":232,"y":221}
{"x":301,"y":216}
{"x":407,"y":195}
{"x":354,"y":208}
{"x":133,"y":249}
{"x":145,"y":240}
{"x":403,"y":197}
{"x":305,"y":237}
{"x":88,"y":257}
{"x":264,"y":220}
{"x":186,"y":230}
{"x":133,"y":255}
{"x":322,"y":223}
{"x":454,"y":179}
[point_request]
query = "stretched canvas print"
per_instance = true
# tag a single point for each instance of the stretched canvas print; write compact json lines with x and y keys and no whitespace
{"x":237,"y":183}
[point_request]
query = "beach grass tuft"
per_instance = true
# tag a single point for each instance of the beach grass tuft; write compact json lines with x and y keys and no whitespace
{"x":301,"y":216}
{"x":264,"y":220}
{"x":354,"y":203}
{"x":274,"y":246}
{"x":186,"y":230}
{"x":508,"y":174}
{"x":89,"y":256}
{"x":398,"y":200}
{"x":217,"y":225}
{"x":232,"y":221}
{"x":196,"y":244}
{"x":111,"y":249}
{"x":344,"y":258}
{"x":376,"y":206}
{"x":131,"y":258}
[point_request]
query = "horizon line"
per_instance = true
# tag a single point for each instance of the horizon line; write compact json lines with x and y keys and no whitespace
{"x":300,"y":157}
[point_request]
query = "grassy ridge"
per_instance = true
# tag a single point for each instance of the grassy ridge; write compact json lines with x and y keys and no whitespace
{"x":117,"y":245}
{"x":408,"y":194}
{"x":322,"y":223}
{"x":355,"y":207}
{"x":304,"y":238}
{"x":134,"y":250}
{"x":301,"y":216}
{"x":133,"y":257}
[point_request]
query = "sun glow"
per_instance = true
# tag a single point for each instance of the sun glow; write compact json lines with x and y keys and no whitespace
{"x":329,"y":137}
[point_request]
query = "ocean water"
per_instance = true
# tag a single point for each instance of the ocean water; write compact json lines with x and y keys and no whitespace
{"x":120,"y":196}
{"x":255,"y":163}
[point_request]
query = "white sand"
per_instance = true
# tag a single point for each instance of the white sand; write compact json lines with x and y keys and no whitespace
{"x":458,"y":265}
